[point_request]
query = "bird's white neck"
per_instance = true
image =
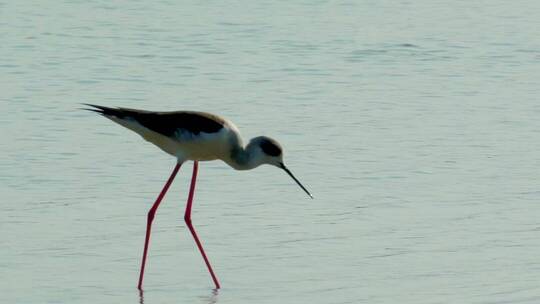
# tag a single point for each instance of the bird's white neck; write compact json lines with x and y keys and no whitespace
{"x":246,"y":158}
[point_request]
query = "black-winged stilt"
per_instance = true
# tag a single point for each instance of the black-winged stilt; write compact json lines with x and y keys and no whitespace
{"x":195,"y":136}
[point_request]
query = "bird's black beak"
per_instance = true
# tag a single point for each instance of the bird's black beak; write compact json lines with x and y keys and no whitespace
{"x":282,"y":166}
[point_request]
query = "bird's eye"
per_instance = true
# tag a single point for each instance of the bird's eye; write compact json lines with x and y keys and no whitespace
{"x":270,"y":148}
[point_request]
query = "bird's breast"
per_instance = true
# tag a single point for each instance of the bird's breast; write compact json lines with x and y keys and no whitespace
{"x":202,"y":146}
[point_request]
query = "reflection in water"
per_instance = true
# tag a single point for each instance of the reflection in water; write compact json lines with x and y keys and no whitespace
{"x":212,"y":299}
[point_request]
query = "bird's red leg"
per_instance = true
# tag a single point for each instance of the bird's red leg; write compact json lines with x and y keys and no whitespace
{"x":187,"y":218}
{"x":150,"y":218}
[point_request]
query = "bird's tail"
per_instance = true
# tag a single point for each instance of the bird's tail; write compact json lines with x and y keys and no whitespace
{"x":106,"y":111}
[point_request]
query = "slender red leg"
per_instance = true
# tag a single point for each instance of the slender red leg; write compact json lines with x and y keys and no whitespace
{"x":150,"y":218}
{"x":187,"y":218}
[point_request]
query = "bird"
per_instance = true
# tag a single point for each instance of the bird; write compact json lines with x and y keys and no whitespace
{"x":194,"y":136}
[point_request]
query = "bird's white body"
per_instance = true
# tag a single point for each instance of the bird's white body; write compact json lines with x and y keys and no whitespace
{"x":199,"y":136}
{"x":185,"y":145}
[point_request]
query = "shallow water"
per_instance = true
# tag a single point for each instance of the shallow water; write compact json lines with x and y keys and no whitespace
{"x":415,"y":125}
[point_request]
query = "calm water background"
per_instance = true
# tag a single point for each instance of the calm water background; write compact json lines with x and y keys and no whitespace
{"x":414,"y":123}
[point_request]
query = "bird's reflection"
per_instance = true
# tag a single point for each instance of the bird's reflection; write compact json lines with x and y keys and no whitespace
{"x":211,"y":299}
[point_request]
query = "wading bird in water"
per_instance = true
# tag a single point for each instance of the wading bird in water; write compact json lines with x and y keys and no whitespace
{"x":196,"y":136}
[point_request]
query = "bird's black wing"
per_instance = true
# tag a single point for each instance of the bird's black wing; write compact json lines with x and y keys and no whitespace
{"x":167,"y":123}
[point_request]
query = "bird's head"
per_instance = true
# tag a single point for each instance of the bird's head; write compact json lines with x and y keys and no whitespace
{"x":268,"y":151}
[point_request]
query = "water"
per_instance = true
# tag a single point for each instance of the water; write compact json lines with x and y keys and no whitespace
{"x":415,"y":125}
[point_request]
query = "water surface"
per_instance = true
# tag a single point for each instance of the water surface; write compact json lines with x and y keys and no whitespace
{"x":415,"y":125}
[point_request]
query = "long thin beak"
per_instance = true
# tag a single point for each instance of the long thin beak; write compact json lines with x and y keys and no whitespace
{"x":296,"y":180}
